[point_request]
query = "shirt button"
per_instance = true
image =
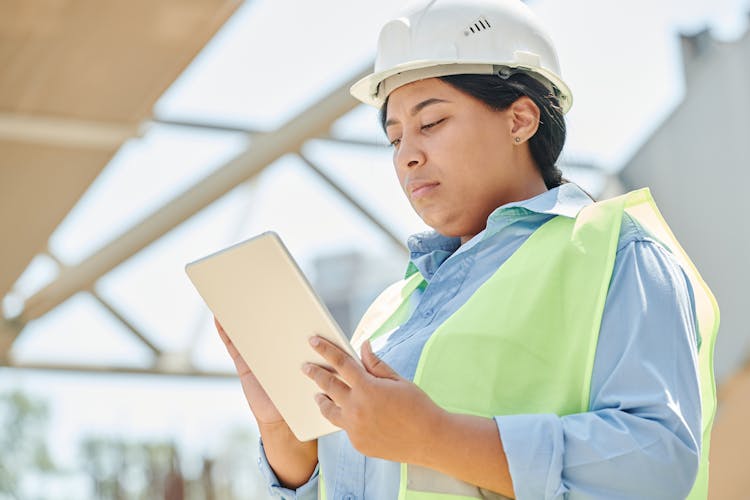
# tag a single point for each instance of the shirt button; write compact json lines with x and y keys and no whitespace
{"x":350,"y":497}
{"x":428,"y":313}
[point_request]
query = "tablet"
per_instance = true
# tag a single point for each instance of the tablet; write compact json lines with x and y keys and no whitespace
{"x":269,"y":310}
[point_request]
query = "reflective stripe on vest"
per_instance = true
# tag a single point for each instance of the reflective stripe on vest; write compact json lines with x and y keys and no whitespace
{"x":525,"y":341}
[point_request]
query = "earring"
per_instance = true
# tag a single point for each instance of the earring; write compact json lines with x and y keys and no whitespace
{"x":518,"y":140}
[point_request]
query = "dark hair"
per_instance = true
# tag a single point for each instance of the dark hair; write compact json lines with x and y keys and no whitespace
{"x":499,"y":94}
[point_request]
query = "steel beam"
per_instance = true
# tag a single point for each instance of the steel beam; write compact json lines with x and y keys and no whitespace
{"x":9,"y":330}
{"x":355,"y":142}
{"x":125,"y":370}
{"x":312,"y":122}
{"x":66,"y":132}
{"x":398,"y":241}
{"x":142,"y":339}
{"x":215,"y":127}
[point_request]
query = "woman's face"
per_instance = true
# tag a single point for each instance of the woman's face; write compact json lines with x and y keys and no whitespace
{"x":455,"y":157}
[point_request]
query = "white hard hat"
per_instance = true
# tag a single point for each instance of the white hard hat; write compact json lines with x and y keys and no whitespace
{"x":450,"y":37}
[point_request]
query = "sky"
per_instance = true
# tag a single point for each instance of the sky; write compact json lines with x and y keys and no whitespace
{"x":272,"y":59}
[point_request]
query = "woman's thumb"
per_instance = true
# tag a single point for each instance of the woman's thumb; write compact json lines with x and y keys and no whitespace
{"x":374,"y":365}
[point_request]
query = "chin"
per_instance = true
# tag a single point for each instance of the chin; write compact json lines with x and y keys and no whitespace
{"x":452,"y":231}
{"x":447,"y":226}
{"x":447,"y":231}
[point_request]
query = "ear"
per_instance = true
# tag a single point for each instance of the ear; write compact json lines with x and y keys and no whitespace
{"x":525,"y":115}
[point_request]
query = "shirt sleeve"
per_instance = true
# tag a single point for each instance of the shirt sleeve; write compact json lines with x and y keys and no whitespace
{"x":308,"y":491}
{"x":641,"y":436}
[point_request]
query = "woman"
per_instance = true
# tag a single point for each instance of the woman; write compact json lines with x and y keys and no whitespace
{"x":541,"y":345}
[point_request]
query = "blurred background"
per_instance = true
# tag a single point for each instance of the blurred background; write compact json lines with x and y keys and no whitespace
{"x":138,"y":136}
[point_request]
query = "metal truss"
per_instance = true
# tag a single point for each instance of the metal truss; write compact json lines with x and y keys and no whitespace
{"x":265,"y":148}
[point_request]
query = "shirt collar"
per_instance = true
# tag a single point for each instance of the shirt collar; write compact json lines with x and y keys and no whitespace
{"x":567,"y":200}
{"x":430,"y":249}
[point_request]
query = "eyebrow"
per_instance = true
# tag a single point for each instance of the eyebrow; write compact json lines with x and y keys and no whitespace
{"x":417,"y":108}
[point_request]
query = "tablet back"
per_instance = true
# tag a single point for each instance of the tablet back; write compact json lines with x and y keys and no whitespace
{"x":269,"y":310}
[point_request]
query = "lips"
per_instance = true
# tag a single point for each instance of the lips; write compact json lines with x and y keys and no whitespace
{"x":419,"y":189}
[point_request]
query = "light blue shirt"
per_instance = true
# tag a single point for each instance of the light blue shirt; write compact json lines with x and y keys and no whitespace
{"x":641,"y":436}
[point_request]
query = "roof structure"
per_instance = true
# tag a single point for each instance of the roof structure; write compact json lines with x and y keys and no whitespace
{"x":76,"y":84}
{"x":81,"y":80}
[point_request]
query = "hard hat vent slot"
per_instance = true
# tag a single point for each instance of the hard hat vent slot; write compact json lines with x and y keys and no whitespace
{"x":479,"y":25}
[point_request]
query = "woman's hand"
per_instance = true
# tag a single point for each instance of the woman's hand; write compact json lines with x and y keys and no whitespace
{"x":384,"y":415}
{"x":388,"y":417}
{"x":292,"y":460}
{"x":260,"y":404}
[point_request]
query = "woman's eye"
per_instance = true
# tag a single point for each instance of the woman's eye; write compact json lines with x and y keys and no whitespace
{"x":430,"y":125}
{"x":397,"y":141}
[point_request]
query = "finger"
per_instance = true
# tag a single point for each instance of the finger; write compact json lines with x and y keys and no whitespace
{"x":218,"y":326}
{"x":328,"y":382}
{"x":376,"y":366}
{"x":239,"y":362}
{"x":328,"y":409}
{"x":222,"y":333}
{"x":352,"y":372}
{"x":225,"y":338}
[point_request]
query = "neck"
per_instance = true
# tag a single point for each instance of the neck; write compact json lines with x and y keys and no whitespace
{"x":528,"y":187}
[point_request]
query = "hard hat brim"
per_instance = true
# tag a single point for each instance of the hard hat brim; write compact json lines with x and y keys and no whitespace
{"x":375,"y":87}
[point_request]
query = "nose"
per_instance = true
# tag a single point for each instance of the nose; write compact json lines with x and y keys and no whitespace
{"x":409,"y":154}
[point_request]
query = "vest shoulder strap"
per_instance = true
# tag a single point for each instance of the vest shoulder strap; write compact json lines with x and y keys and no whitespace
{"x":387,"y":311}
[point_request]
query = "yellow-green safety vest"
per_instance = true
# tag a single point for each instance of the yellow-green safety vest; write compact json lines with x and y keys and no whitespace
{"x":525,"y":341}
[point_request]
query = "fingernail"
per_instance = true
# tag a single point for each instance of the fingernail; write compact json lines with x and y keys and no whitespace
{"x":306,"y":368}
{"x":314,"y":341}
